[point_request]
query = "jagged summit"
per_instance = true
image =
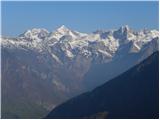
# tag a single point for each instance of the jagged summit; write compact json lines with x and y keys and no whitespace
{"x":63,"y":28}
{"x":35,"y":33}
{"x":65,"y":31}
{"x":124,"y":28}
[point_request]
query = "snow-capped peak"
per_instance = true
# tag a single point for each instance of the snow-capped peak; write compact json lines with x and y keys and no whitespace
{"x":35,"y":33}
{"x":63,"y":29}
{"x":60,"y":32}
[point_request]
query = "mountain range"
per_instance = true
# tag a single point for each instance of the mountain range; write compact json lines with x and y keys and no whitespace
{"x":42,"y":69}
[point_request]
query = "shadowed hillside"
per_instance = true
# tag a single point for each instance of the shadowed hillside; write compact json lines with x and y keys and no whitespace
{"x":133,"y":94}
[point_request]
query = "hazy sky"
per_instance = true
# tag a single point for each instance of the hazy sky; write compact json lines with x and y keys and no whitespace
{"x":82,"y":16}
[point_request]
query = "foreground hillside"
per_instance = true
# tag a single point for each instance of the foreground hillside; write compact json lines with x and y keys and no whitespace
{"x":134,"y":94}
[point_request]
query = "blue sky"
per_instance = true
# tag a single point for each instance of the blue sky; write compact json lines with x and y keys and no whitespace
{"x":82,"y":16}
